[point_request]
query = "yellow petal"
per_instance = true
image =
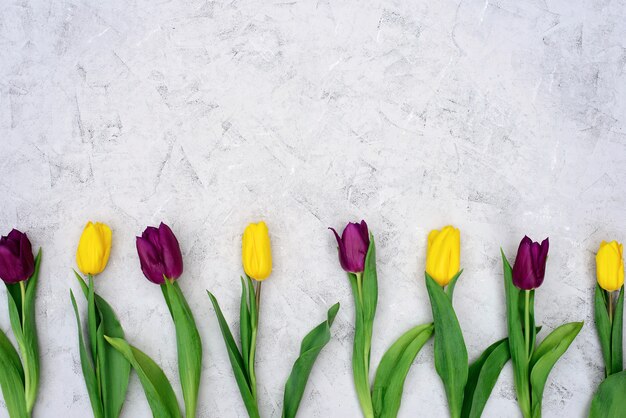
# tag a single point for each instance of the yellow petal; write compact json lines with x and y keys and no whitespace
{"x":610,"y":265}
{"x":94,"y":248}
{"x":256,"y":253}
{"x":443,"y":254}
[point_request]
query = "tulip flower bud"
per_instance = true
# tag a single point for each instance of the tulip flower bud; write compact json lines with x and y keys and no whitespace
{"x":159,"y":254}
{"x":256,"y":252}
{"x":16,"y":257}
{"x":610,"y":265}
{"x":443,"y":255}
{"x":530,"y":264}
{"x":353,"y":246}
{"x":94,"y":248}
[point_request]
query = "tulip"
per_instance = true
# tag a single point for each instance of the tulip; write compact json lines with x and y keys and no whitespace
{"x":16,"y":257}
{"x":256,"y":252}
{"x":352,"y":246}
{"x":443,"y":255}
{"x":610,"y":265}
{"x":530,"y":264}
{"x":159,"y":254}
{"x":94,"y":248}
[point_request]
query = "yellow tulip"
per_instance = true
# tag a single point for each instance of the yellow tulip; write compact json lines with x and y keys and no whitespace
{"x":256,"y":253}
{"x":94,"y":248}
{"x":443,"y":255}
{"x":610,"y":265}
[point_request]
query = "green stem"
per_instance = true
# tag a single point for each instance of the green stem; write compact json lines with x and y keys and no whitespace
{"x":527,"y":321}
{"x":610,"y":296}
{"x":257,"y":297}
{"x":25,"y":355}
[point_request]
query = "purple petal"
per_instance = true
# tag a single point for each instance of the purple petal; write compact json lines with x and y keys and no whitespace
{"x":150,"y":261}
{"x":171,"y":255}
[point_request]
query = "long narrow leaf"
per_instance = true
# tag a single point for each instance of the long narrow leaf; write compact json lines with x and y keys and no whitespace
{"x":29,"y":330}
{"x":450,"y":351}
{"x":545,"y":357}
{"x":236,"y":361}
{"x":616,"y":335}
{"x":603,"y":327}
{"x":12,"y":379}
{"x":370,"y":283}
{"x":114,"y":377}
{"x":189,"y":347}
{"x":482,"y":377}
{"x":245,"y":325}
{"x":609,"y":400}
{"x":310,"y":348}
{"x":517,"y":345}
{"x":158,"y":390}
{"x":393,"y":369}
{"x":89,"y":373}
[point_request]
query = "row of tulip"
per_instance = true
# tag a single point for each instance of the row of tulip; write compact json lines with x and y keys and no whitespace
{"x":107,"y":357}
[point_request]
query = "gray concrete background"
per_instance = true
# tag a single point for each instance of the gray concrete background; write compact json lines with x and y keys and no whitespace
{"x":504,"y":118}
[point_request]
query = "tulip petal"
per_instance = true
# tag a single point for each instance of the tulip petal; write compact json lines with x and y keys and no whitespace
{"x":151,"y":264}
{"x":170,"y":252}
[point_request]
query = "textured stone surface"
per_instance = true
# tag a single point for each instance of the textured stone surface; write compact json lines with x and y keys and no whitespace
{"x":503,"y":117}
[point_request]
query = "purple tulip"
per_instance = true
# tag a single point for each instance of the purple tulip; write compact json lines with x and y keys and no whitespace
{"x":16,"y":257}
{"x":530,"y":264}
{"x":159,"y":254}
{"x":353,"y":245}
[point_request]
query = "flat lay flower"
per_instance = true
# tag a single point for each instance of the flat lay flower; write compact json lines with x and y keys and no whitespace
{"x":159,"y":254}
{"x":94,"y":248}
{"x":256,"y":252}
{"x":443,"y":255}
{"x":530,"y":264}
{"x":16,"y":257}
{"x":610,"y":265}
{"x":352,"y":246}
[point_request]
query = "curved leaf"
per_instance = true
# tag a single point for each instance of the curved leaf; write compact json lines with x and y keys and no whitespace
{"x":545,"y":357}
{"x":89,"y":373}
{"x":482,"y":377}
{"x":189,"y":347}
{"x":236,"y":362}
{"x":603,"y":327}
{"x":310,"y":348}
{"x":394,"y":367}
{"x":617,"y":361}
{"x":609,"y":400}
{"x":12,"y":379}
{"x":450,"y":351}
{"x":158,"y":390}
{"x":517,"y":345}
{"x":113,"y":368}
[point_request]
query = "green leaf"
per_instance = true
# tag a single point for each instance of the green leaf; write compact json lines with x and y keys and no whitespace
{"x":22,"y":318}
{"x":189,"y":346}
{"x":12,"y":379}
{"x":617,"y":362}
{"x":450,"y":352}
{"x":545,"y":357}
{"x":158,"y":390}
{"x":31,"y":343}
{"x":393,"y":369}
{"x":452,"y":284}
{"x":482,"y":377}
{"x":310,"y":348}
{"x":609,"y":400}
{"x":603,"y":326}
{"x":365,"y":292}
{"x":236,"y":362}
{"x":245,"y":326}
{"x":89,"y":373}
{"x":517,"y":345}
{"x":370,"y":283}
{"x":114,"y":369}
